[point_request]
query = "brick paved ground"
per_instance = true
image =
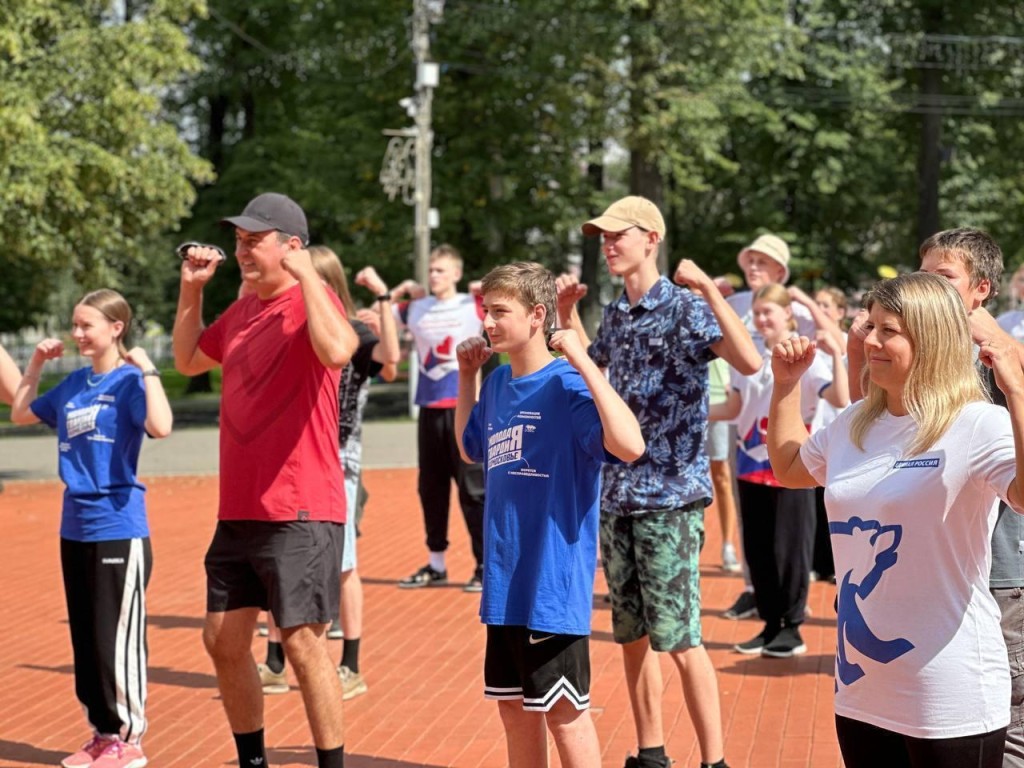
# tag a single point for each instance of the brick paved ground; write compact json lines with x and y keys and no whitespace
{"x":422,"y":655}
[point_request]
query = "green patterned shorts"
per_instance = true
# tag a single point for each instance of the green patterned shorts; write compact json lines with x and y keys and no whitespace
{"x":651,"y":565}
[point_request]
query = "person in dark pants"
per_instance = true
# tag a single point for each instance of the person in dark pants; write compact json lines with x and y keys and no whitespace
{"x":101,"y":414}
{"x":778,"y":523}
{"x":439,"y":323}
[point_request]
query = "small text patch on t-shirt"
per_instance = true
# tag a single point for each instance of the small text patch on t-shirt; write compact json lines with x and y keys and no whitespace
{"x":916,"y":463}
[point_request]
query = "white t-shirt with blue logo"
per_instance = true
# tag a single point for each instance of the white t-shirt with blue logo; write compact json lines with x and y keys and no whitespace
{"x":919,"y":648}
{"x":100,"y":423}
{"x":542,"y":445}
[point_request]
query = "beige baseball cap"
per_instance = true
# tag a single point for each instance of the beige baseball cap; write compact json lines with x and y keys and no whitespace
{"x":772,"y":246}
{"x":632,"y":211}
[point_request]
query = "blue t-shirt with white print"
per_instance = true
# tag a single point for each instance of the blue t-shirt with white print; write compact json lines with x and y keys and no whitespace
{"x":542,"y":444}
{"x":100,"y":423}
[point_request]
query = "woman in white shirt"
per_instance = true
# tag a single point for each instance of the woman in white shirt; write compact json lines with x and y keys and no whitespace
{"x":913,"y":474}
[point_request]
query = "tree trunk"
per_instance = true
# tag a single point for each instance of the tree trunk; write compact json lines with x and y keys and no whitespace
{"x":644,"y":177}
{"x":590,"y":306}
{"x":929,"y":158}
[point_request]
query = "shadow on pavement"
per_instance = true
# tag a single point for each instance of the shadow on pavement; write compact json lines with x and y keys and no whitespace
{"x":16,"y":753}
{"x":174,"y":622}
{"x":306,"y":756}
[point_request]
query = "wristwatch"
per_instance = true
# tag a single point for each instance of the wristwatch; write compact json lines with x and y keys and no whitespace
{"x":384,"y":297}
{"x":151,"y":372}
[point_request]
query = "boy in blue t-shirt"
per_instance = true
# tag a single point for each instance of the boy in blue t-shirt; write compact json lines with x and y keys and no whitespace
{"x":543,"y":427}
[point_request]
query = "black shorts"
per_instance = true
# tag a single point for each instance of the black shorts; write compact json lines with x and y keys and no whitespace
{"x":538,"y":667}
{"x":290,"y":569}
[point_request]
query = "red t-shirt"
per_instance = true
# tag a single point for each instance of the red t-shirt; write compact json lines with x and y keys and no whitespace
{"x":278,"y":414}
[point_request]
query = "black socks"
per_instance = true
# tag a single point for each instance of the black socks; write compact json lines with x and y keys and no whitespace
{"x":275,"y":657}
{"x":251,"y":753}
{"x":350,"y":654}
{"x":331,"y":758}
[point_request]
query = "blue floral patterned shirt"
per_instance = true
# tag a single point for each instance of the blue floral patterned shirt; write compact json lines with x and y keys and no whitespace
{"x":657,"y":356}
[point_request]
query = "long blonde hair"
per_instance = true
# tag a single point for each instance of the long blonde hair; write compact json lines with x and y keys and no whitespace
{"x":116,"y":309}
{"x":942,"y":378}
{"x":328,"y":266}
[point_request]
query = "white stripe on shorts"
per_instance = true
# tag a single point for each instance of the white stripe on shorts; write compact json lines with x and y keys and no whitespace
{"x":503,"y":694}
{"x":563,"y":689}
{"x":130,"y":647}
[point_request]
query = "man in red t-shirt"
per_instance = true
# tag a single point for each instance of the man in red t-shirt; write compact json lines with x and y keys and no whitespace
{"x":282,"y":501}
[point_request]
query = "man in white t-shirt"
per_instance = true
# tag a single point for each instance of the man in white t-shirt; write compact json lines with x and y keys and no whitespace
{"x":438,"y":324}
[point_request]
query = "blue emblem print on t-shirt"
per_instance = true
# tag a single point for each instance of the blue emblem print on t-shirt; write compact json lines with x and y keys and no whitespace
{"x":852,"y":627}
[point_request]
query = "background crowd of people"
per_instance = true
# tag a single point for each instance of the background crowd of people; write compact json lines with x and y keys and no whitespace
{"x":862,"y":448}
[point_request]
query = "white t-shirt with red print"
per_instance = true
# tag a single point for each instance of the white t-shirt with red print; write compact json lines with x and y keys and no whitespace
{"x":438,"y":327}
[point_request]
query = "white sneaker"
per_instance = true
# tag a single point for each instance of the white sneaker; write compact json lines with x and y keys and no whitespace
{"x":730,"y":563}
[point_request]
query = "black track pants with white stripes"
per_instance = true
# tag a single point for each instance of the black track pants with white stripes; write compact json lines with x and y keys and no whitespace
{"x":105,"y":588}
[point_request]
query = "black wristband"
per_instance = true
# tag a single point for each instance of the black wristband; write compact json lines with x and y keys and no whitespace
{"x":151,"y":372}
{"x":384,"y":297}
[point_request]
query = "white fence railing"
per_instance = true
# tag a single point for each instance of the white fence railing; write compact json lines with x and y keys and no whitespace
{"x":20,"y":346}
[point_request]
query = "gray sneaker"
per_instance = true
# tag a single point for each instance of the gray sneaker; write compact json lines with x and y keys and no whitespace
{"x":334,"y":631}
{"x":273,"y":682}
{"x":352,"y":683}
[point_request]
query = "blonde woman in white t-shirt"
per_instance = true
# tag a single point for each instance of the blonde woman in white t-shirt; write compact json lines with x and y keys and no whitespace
{"x":913,"y":474}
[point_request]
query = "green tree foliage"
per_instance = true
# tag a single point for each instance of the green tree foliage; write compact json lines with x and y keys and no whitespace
{"x":91,"y":172}
{"x":802,"y":117}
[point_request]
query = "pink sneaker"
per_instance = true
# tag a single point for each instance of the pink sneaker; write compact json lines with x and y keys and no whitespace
{"x":120,"y":755}
{"x":85,"y":757}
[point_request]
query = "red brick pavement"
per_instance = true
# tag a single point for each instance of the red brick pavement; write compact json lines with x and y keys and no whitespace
{"x":422,"y":655}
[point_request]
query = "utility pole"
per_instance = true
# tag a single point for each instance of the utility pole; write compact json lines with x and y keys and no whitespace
{"x":425,"y":12}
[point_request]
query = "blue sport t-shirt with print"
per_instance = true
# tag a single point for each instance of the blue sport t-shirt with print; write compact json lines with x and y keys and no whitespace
{"x":541,"y":442}
{"x":100,"y":423}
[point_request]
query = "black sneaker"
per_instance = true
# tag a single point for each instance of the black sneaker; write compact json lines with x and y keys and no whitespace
{"x":636,"y":761}
{"x":476,"y":582}
{"x":745,"y":607}
{"x":756,"y":645}
{"x":785,"y":645}
{"x":425,"y":577}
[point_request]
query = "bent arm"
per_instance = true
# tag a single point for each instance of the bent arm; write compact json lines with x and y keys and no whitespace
{"x":188,"y":327}
{"x":735,"y":347}
{"x":27,"y":391}
{"x":572,"y":321}
{"x":622,"y":436}
{"x":10,"y":377}
{"x":837,"y":393}
{"x":388,"y":350}
{"x":159,"y":418}
{"x":786,"y":434}
{"x":332,"y":336}
{"x":464,"y":407}
{"x":728,"y":409}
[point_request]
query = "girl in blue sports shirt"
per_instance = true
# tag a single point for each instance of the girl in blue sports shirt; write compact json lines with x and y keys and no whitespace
{"x":101,"y":413}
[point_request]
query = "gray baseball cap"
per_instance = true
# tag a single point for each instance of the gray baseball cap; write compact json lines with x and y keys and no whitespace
{"x":272,"y":211}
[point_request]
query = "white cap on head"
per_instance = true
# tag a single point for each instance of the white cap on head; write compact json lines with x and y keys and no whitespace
{"x":772,"y":246}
